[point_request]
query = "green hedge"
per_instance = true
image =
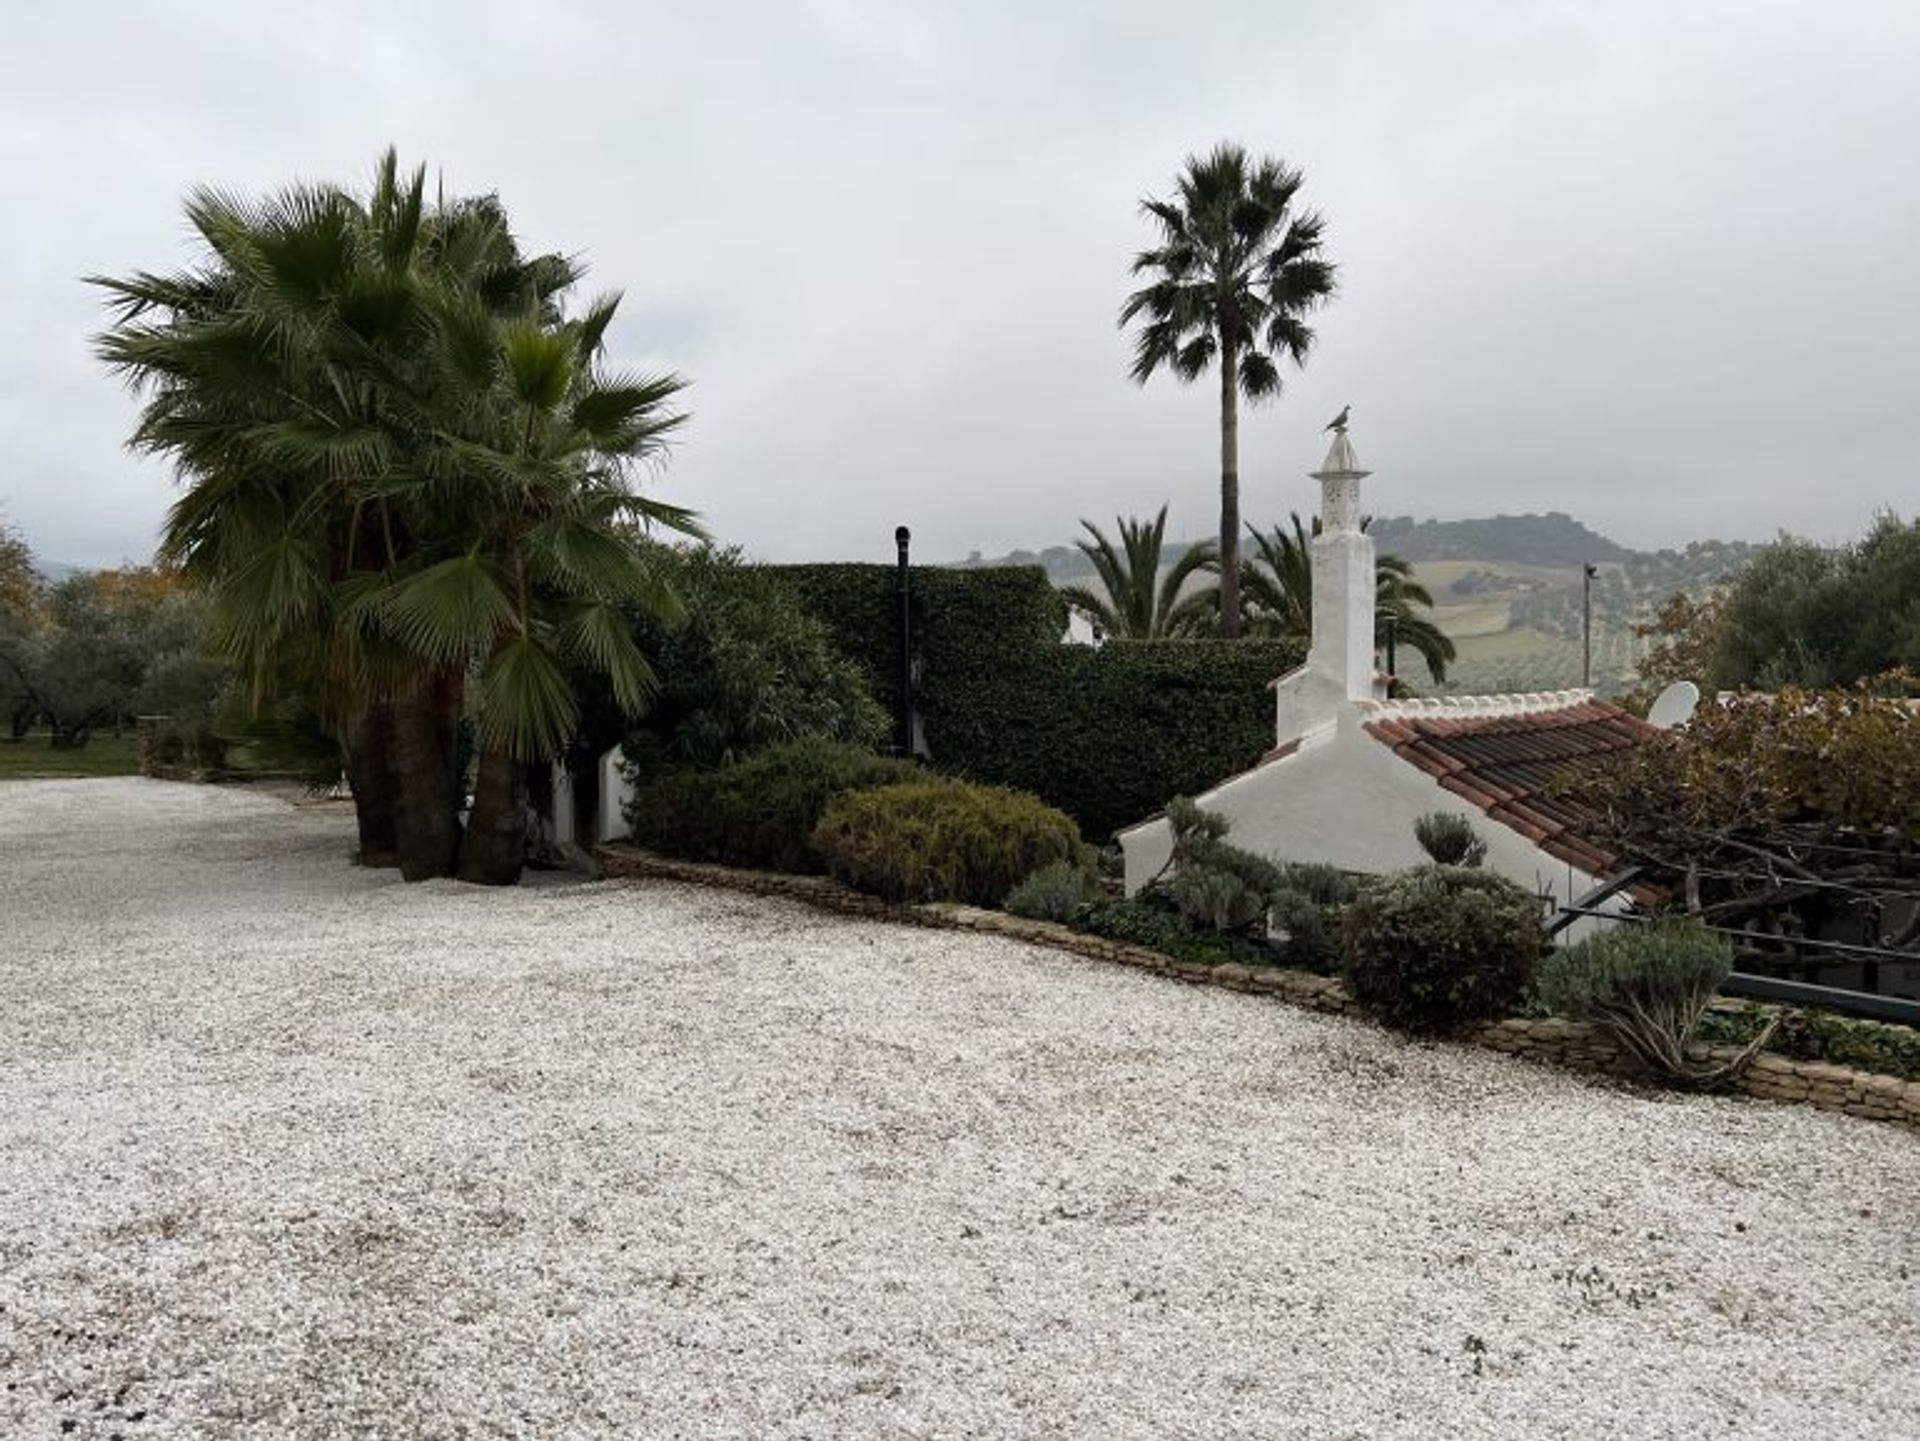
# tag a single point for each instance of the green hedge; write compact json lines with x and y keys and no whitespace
{"x":1107,"y":735}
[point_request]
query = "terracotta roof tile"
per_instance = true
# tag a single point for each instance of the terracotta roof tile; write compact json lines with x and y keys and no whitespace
{"x":1509,"y":765}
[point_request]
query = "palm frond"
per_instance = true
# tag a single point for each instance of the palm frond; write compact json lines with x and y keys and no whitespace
{"x":527,"y":707}
{"x":450,"y":611}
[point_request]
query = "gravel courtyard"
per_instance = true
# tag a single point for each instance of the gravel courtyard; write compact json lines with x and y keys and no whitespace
{"x":289,"y":1149}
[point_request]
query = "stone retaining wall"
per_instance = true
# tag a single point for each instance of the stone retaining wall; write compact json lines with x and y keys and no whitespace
{"x":1552,"y":1040}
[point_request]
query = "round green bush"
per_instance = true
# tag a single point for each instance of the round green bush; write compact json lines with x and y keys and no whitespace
{"x":1056,"y":892}
{"x":1437,"y":948}
{"x":760,"y":811}
{"x":1645,"y":985}
{"x":939,"y":839}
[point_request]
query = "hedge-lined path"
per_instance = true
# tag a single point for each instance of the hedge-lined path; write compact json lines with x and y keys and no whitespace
{"x":290,"y":1149}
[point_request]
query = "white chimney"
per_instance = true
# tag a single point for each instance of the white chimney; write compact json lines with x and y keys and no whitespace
{"x":1343,"y":577}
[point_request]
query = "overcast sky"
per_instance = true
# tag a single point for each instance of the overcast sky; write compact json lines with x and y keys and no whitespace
{"x":1656,"y":264}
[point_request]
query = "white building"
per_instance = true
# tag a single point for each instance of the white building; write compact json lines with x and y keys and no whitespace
{"x":1351,"y":770}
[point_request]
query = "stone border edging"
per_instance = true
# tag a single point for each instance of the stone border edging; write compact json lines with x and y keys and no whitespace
{"x":1553,"y":1040}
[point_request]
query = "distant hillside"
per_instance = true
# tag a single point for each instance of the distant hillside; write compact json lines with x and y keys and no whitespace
{"x":1555,"y":538}
{"x":1552,"y":539}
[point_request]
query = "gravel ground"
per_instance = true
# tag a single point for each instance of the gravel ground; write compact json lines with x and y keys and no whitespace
{"x":288,"y":1149}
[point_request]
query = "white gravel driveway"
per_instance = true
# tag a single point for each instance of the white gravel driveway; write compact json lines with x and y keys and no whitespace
{"x":288,"y":1149}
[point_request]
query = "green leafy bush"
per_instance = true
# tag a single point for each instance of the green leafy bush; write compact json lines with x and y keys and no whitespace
{"x":937,"y":838}
{"x":1436,"y":948}
{"x":1308,"y":908}
{"x":1449,"y":839}
{"x":1647,"y":987}
{"x":1864,"y":1045}
{"x":1055,"y":892}
{"x":745,"y":667}
{"x":1213,"y":885}
{"x":760,"y":811}
{"x":1141,"y":922}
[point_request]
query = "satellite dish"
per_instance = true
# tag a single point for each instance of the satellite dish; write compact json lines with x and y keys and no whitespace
{"x":1674,"y":705}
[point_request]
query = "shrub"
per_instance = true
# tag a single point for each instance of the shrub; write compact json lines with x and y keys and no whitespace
{"x":1141,"y":922}
{"x":1307,"y":912}
{"x":1647,"y":987}
{"x":1215,"y":886}
{"x":937,"y":838}
{"x":746,"y":667}
{"x":1889,"y":1049}
{"x":1449,"y":839}
{"x":1055,"y":892}
{"x":760,"y":811}
{"x":1436,"y":948}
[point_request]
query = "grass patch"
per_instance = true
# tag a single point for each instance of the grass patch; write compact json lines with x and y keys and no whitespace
{"x":35,"y":759}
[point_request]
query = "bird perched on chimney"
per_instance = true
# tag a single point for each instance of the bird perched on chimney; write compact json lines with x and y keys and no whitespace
{"x":1339,"y":421}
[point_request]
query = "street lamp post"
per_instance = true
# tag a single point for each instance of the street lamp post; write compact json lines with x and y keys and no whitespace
{"x":902,"y":537}
{"x":1587,"y":572}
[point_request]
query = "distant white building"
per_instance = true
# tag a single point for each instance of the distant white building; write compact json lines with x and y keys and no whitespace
{"x":1351,"y":770}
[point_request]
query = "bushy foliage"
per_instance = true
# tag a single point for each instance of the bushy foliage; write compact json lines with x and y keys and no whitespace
{"x":942,"y":839}
{"x":1647,"y":987}
{"x":1308,"y":909}
{"x":1449,"y":839}
{"x":1437,"y":948}
{"x":1214,"y":885}
{"x":1808,"y":615}
{"x":1797,"y":810}
{"x":758,"y":812}
{"x":1864,"y":1045}
{"x":1107,"y":734}
{"x":1055,"y":892}
{"x":100,"y":648}
{"x":1146,"y":921}
{"x":745,"y":667}
{"x":1683,"y":635}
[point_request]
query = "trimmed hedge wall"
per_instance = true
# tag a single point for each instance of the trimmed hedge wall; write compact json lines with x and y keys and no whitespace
{"x":1107,"y":735}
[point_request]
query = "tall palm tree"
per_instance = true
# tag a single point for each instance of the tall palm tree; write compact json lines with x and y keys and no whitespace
{"x":1277,"y":584}
{"x":1235,"y":273}
{"x":1139,"y":604}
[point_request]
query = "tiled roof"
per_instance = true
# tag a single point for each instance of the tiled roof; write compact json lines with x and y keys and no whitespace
{"x":1506,"y":763}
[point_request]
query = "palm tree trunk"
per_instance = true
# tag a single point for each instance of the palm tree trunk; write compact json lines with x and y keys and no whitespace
{"x":426,"y":824}
{"x":1229,"y":484}
{"x":370,"y":775}
{"x":496,"y":840}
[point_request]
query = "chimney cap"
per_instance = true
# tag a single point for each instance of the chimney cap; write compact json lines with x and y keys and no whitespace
{"x":1341,"y":463}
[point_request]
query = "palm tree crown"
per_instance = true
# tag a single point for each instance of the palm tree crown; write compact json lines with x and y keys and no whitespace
{"x":1277,"y":584}
{"x":1139,"y":603}
{"x":1235,"y":273}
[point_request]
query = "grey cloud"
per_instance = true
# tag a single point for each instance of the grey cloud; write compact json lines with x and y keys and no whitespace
{"x":1651,"y":264}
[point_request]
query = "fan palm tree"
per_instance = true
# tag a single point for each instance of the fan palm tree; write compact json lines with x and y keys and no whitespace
{"x":1140,"y":604}
{"x":303,"y":379}
{"x":1236,"y":271}
{"x":1277,"y":584}
{"x":527,"y":592}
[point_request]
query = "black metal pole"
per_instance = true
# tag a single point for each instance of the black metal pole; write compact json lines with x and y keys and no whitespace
{"x":1587,"y":573}
{"x":904,"y":729}
{"x":1393,"y":630}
